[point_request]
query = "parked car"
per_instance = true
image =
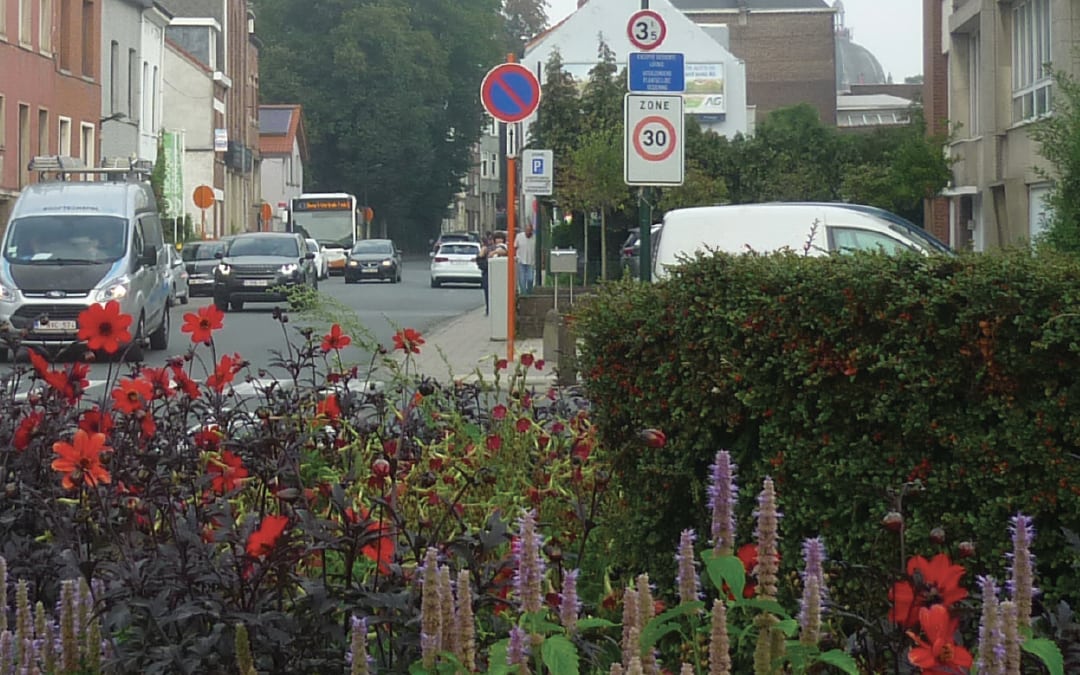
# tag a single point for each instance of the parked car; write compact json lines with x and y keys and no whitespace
{"x":200,"y":257}
{"x":631,"y":249}
{"x":455,"y":262}
{"x":261,"y":267}
{"x":816,"y":228}
{"x":179,"y":291}
{"x":373,"y":260}
{"x":322,"y":263}
{"x":449,"y":237}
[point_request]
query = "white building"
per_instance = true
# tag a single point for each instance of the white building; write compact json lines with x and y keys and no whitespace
{"x":715,"y":80}
{"x":283,"y":146}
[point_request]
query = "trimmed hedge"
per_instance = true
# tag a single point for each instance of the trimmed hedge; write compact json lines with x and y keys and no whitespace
{"x":845,"y":378}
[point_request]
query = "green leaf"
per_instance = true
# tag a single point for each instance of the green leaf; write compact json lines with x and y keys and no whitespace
{"x":725,"y":569}
{"x":771,"y":606}
{"x":560,"y":655}
{"x":654,"y":631}
{"x":789,"y":627}
{"x":537,"y":623}
{"x":417,"y":668}
{"x":497,"y":658}
{"x":838,"y":658}
{"x":662,"y":624}
{"x":587,"y":624}
{"x":1048,"y":652}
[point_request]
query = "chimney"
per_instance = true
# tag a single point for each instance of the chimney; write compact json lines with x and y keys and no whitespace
{"x":581,"y":3}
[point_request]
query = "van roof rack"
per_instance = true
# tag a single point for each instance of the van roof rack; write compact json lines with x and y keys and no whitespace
{"x":64,"y":167}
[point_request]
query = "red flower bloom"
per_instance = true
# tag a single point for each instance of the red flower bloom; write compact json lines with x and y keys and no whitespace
{"x":104,"y":327}
{"x":129,"y":396}
{"x":501,"y":364}
{"x":494,"y":443}
{"x":380,"y":550}
{"x":224,"y":373}
{"x":80,"y":460}
{"x":408,"y":340}
{"x":63,"y":382}
{"x":184,"y":383}
{"x":203,"y":324}
{"x":747,"y":553}
{"x":654,"y":438}
{"x":262,"y":541}
{"x":527,"y":359}
{"x":498,"y":412}
{"x":539,"y":364}
{"x":159,"y":379}
{"x":228,"y":472}
{"x":335,"y":340}
{"x":208,"y":439}
{"x":94,"y":422}
{"x":328,"y":408}
{"x":932,"y":582}
{"x":26,"y":430}
{"x":940,"y":654}
{"x":523,"y":425}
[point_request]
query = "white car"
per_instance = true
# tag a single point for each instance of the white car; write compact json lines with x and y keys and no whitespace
{"x":322,"y":265}
{"x":179,"y":291}
{"x":455,"y":262}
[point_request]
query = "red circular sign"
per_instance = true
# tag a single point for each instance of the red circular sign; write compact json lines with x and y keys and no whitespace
{"x":646,"y":29}
{"x":510,"y":92}
{"x":663,"y":139}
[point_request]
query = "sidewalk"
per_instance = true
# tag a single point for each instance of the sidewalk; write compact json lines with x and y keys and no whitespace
{"x":462,"y":349}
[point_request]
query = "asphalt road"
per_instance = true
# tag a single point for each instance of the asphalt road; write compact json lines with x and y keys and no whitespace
{"x":381,"y":307}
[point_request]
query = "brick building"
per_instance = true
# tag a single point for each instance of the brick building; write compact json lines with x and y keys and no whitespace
{"x":935,"y":100}
{"x":50,"y":86}
{"x":788,"y":46}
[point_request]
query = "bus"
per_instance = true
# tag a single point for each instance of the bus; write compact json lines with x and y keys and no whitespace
{"x":330,"y":218}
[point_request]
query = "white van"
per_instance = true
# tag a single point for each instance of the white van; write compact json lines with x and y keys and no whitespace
{"x":73,"y":243}
{"x":814,"y":228}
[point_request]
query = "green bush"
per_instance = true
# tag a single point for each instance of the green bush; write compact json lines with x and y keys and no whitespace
{"x":845,"y":378}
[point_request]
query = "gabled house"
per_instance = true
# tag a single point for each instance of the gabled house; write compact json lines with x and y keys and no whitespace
{"x":284,"y":149}
{"x":50,"y":87}
{"x":132,"y":73}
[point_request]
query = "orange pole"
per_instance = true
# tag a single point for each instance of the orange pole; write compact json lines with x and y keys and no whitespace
{"x":511,"y":222}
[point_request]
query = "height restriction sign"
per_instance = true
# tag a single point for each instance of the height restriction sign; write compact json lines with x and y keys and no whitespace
{"x":653,"y":154}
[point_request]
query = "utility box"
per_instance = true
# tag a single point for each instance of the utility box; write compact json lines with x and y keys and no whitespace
{"x":563,"y":261}
{"x":498,"y":296}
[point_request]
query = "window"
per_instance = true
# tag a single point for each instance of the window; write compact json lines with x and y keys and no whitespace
{"x":494,"y":165}
{"x":43,"y":132}
{"x":63,"y":138}
{"x":24,"y":144}
{"x":26,"y":18}
{"x":483,"y":168}
{"x":86,"y":147}
{"x":65,"y":35}
{"x":145,"y":114}
{"x":45,"y":26}
{"x":114,"y":77}
{"x":1039,"y":211}
{"x":154,"y":101}
{"x":848,"y":239}
{"x":1031,"y":59}
{"x":133,"y":79}
{"x":88,"y":54}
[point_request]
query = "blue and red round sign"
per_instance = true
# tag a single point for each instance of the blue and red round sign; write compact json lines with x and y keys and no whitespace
{"x":510,"y":92}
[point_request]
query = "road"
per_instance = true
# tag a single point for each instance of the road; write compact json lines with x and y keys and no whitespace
{"x":381,"y":307}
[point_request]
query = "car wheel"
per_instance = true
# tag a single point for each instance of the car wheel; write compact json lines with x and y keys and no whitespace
{"x":435,"y":284}
{"x":221,"y":302}
{"x":135,"y":347}
{"x":186,"y":297}
{"x":4,"y":355}
{"x":348,"y":280}
{"x":159,"y":339}
{"x":237,"y":305}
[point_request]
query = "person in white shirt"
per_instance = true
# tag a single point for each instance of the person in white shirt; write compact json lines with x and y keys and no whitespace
{"x":525,"y":259}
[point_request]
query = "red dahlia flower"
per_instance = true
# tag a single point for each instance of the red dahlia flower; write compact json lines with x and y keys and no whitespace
{"x":129,"y":396}
{"x":932,"y":582}
{"x":408,"y":340}
{"x":26,"y":430}
{"x":80,"y":460}
{"x":939,"y":653}
{"x":335,"y":339}
{"x":202,"y":325}
{"x":104,"y":327}
{"x":224,"y":372}
{"x":262,"y":541}
{"x":228,"y":472}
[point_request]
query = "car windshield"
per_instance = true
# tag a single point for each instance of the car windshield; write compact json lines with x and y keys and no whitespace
{"x":312,"y":246}
{"x":373,"y":247}
{"x":201,"y":251}
{"x":284,"y":247}
{"x":57,"y":239}
{"x":459,"y":249}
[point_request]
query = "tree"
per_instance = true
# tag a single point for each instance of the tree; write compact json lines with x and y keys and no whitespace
{"x":598,"y":164}
{"x":1058,"y":137}
{"x":523,"y":19}
{"x":558,"y":121}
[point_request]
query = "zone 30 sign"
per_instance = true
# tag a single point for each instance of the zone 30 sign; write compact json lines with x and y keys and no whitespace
{"x":654,"y":139}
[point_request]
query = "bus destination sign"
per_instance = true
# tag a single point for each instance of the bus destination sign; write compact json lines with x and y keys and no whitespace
{"x":330,"y":204}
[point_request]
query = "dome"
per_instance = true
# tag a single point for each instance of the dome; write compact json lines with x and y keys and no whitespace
{"x":855,"y":64}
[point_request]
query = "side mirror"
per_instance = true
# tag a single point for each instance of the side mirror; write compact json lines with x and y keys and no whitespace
{"x":219,"y":255}
{"x":148,"y":257}
{"x":309,"y":256}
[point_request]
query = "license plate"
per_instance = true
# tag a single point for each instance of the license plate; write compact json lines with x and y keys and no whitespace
{"x":256,"y":282}
{"x":371,"y":270}
{"x":462,"y":262}
{"x":56,"y":326}
{"x":200,"y":281}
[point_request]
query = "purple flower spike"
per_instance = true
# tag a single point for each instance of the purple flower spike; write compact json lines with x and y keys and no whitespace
{"x":815,"y":593}
{"x":1022,"y":570}
{"x":723,"y":494}
{"x":517,"y":653}
{"x":688,"y":583}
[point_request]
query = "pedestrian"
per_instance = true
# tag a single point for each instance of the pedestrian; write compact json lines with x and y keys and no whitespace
{"x":482,"y":263}
{"x":525,"y":258}
{"x":496,"y":248}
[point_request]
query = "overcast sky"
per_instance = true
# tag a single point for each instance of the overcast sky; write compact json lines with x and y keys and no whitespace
{"x":891,"y":29}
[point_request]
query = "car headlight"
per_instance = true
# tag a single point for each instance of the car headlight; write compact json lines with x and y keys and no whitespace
{"x":353,"y":263}
{"x":114,"y":291}
{"x":291,"y":268}
{"x":387,"y":263}
{"x":8,"y":294}
{"x":223,"y":270}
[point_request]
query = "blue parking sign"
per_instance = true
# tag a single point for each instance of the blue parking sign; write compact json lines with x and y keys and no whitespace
{"x":538,"y":166}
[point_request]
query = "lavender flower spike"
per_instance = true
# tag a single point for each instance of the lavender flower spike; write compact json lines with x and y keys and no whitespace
{"x":815,"y":593}
{"x":430,"y":610}
{"x":991,"y":652}
{"x":723,"y":495}
{"x":688,"y":583}
{"x":768,"y":536}
{"x":719,"y":642}
{"x":517,"y":653}
{"x":1022,"y":571}
{"x":528,"y":579}
{"x":569,"y":603}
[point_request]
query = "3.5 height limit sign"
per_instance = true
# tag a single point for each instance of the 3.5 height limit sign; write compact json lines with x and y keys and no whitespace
{"x":653,"y":154}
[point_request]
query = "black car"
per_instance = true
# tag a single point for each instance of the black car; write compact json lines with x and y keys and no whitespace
{"x":373,"y":259}
{"x":260,"y":266}
{"x":631,"y":249}
{"x":200,"y":259}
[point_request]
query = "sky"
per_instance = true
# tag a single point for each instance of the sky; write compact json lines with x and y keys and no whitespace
{"x":890,"y":29}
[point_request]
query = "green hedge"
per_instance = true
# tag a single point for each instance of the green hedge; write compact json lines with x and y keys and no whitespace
{"x":845,"y":378}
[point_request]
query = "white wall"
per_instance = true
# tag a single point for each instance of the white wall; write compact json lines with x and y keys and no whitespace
{"x":152,"y":51}
{"x":578,"y":38}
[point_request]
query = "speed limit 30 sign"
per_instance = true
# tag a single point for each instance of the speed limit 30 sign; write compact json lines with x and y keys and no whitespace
{"x":646,"y":29}
{"x":653,"y":153}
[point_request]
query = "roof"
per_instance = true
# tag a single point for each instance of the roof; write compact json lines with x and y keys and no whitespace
{"x":195,"y":8}
{"x":752,"y":5}
{"x":186,"y":55}
{"x":870,"y":102}
{"x":280,"y":126}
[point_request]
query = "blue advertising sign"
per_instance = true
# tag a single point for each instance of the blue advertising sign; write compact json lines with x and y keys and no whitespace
{"x":656,"y":72}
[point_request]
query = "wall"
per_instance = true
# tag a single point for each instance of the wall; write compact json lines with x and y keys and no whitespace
{"x":121,"y":23}
{"x":152,"y":49}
